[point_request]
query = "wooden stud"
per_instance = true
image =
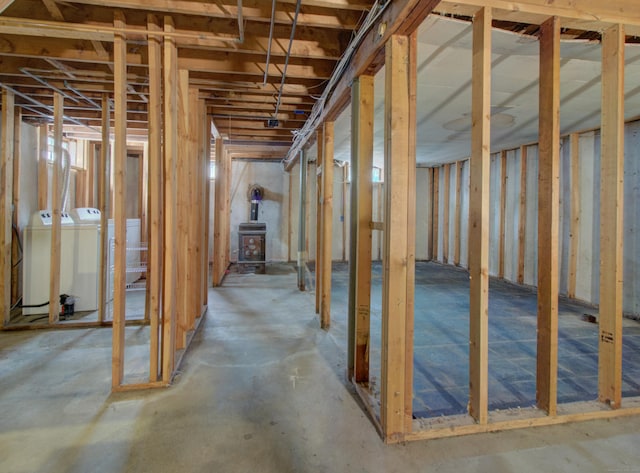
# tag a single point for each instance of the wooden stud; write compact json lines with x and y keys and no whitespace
{"x":430,"y":230}
{"x":155,"y":197}
{"x":458,"y":214}
{"x":398,"y":259}
{"x":206,"y":144}
{"x":185,"y":158}
{"x":56,"y":210}
{"x":446,"y":191}
{"x":16,"y":267}
{"x":548,"y":216}
{"x":362,"y":114}
{"x":6,"y":193}
{"x":611,"y":217}
{"x":522,"y":214}
{"x":222,"y":213}
{"x":104,"y":173}
{"x":327,"y":226}
{"x":435,"y":221}
{"x":412,"y":87}
{"x":345,"y":182}
{"x":195,"y":215}
{"x":479,"y":217}
{"x":43,"y":173}
{"x":170,"y":152}
{"x":574,"y":232}
{"x":90,"y":155}
{"x":503,"y":212}
{"x":318,"y":268}
{"x":120,"y":208}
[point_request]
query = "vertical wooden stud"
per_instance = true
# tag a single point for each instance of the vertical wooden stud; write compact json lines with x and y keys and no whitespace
{"x":435,"y":221}
{"x":56,"y":210}
{"x":104,"y":173}
{"x":318,"y":268}
{"x":611,"y":217}
{"x":399,"y":222}
{"x":120,"y":191}
{"x":574,"y":232}
{"x":327,"y":225}
{"x":206,"y":156}
{"x":430,"y":250}
{"x":362,"y":102}
{"x":170,"y":152}
{"x":6,"y":193}
{"x":458,"y":213}
{"x":479,"y":217}
{"x":16,"y":268}
{"x":222,"y":210}
{"x":522,"y":214}
{"x":446,"y":197}
{"x":503,"y":212}
{"x":548,"y":216}
{"x":155,"y":197}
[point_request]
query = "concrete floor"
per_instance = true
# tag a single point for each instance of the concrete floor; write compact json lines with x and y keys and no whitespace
{"x":261,"y":389}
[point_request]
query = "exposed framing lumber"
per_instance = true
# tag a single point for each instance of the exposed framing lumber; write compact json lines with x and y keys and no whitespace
{"x":430,"y":252}
{"x":574,"y":232}
{"x":345,"y":185}
{"x":4,"y":4}
{"x":611,"y":217}
{"x":194,"y":285}
{"x":104,"y":201}
{"x":435,"y":219}
{"x":548,"y":216}
{"x":155,"y":198}
{"x":221,"y":211}
{"x":206,"y":155}
{"x":458,"y":214}
{"x":43,"y":173}
{"x":362,"y":117}
{"x":522,"y":214}
{"x":446,"y":212}
{"x":6,"y":194}
{"x":185,"y":210}
{"x":503,"y":212}
{"x":479,"y":217}
{"x":120,"y":209}
{"x":16,"y":271}
{"x":170,"y":152}
{"x":399,"y":253}
{"x":318,"y":268}
{"x":327,"y":225}
{"x":56,"y":209}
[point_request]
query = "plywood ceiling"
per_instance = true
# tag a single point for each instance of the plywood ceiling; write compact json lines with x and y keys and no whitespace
{"x":444,"y":91}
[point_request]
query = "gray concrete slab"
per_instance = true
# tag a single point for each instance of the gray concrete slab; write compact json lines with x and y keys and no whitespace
{"x":261,"y":389}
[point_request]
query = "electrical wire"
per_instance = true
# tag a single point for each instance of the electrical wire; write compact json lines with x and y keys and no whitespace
{"x":286,"y":61}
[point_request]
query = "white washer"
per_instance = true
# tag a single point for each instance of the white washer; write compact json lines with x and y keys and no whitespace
{"x":79,"y":263}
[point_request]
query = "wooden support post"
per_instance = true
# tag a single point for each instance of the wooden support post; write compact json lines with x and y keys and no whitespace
{"x":221,"y":217}
{"x":548,"y":216}
{"x":503,"y":212}
{"x":574,"y":232}
{"x":399,"y":223}
{"x":155,"y":198}
{"x":458,"y":210}
{"x":435,"y":221}
{"x":430,"y":251}
{"x":6,"y":194}
{"x":327,"y":226}
{"x":206,"y":156}
{"x":479,"y":217}
{"x":170,"y":152}
{"x":183,"y":242}
{"x":446,"y":191}
{"x":318,"y":268}
{"x":104,"y":173}
{"x":90,"y":157}
{"x":195,"y":215}
{"x":120,"y":191}
{"x":611,"y":217}
{"x":522,"y":214}
{"x":16,"y":267}
{"x":362,"y":102}
{"x":43,"y":173}
{"x":56,"y":210}
{"x":345,"y":181}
